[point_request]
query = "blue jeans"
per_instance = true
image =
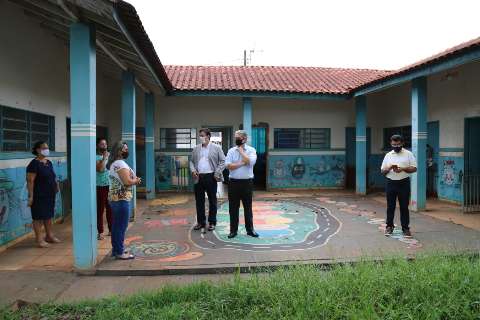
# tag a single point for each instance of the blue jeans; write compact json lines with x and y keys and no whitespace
{"x":120,"y":217}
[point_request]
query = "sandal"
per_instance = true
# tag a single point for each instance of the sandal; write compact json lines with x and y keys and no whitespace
{"x":43,"y":244}
{"x":125,"y":256}
{"x":53,"y":240}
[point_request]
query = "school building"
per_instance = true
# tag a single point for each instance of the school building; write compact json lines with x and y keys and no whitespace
{"x":74,"y":70}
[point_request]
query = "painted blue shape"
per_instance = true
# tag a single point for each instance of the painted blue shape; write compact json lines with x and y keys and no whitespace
{"x":83,"y":135}
{"x":376,"y":180}
{"x":149,"y":145}
{"x":306,"y":171}
{"x":128,"y":124}
{"x":361,"y":145}
{"x":163,"y":172}
{"x":247,"y":117}
{"x":419,"y":143}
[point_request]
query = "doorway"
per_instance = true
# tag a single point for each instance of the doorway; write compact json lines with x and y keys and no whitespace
{"x":350,"y":154}
{"x":433,"y":145}
{"x":471,"y":177}
{"x":259,"y":141}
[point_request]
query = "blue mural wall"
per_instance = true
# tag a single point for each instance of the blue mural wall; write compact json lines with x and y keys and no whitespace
{"x":172,"y":171}
{"x":450,"y":181}
{"x":376,"y":180}
{"x":306,"y":171}
{"x":15,"y":216}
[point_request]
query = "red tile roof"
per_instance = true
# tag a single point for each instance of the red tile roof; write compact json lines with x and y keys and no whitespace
{"x":305,"y":80}
{"x":302,"y":80}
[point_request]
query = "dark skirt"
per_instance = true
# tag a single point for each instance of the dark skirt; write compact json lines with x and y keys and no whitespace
{"x":43,"y":208}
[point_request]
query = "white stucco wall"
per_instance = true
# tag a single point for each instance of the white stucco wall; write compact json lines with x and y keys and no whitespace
{"x":195,"y":112}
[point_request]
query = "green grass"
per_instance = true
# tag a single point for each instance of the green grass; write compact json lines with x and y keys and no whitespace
{"x":434,"y":287}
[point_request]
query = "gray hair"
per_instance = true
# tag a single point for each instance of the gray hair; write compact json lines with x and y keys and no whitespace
{"x":243,"y":133}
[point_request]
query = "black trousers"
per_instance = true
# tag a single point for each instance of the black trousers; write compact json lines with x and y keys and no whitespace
{"x":240,"y":190}
{"x":206,"y":183}
{"x":398,"y":189}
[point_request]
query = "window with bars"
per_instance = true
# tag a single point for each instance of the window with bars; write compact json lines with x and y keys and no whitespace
{"x":404,"y":131}
{"x":20,"y":129}
{"x":302,"y":138}
{"x":178,"y":138}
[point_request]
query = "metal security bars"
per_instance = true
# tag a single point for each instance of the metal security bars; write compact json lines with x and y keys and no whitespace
{"x":302,"y":138}
{"x":471,"y":193}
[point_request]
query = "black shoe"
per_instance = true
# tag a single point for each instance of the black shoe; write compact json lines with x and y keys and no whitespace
{"x":198,"y":227}
{"x":211,"y":227}
{"x":388,"y":231}
{"x":232,"y":235}
{"x":252,"y":234}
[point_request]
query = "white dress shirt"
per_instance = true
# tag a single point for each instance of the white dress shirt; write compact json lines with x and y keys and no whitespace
{"x":402,"y":159}
{"x":203,"y":164}
{"x":234,"y":156}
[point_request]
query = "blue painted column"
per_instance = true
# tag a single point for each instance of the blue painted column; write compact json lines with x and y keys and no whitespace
{"x":83,"y":134}
{"x":419,"y":143}
{"x":361,"y":145}
{"x":247,"y":117}
{"x":150,"y":145}
{"x":128,"y":124}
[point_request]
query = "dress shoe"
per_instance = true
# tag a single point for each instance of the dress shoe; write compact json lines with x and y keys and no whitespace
{"x":232,"y":235}
{"x":211,"y":227}
{"x":252,"y":234}
{"x":198,"y":227}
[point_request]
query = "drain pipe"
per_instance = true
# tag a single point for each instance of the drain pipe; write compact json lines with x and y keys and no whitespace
{"x":100,"y":44}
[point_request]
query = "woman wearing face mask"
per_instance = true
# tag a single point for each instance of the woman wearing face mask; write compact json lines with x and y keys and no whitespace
{"x":103,"y":183}
{"x":122,"y":178}
{"x":42,"y":189}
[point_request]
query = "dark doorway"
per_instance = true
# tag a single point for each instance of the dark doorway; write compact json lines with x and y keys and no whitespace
{"x":433,"y":145}
{"x":350,"y":161}
{"x":259,"y":141}
{"x":471,"y":177}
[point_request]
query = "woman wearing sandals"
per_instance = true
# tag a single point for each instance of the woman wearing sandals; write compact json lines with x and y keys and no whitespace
{"x":122,"y":178}
{"x":42,"y":189}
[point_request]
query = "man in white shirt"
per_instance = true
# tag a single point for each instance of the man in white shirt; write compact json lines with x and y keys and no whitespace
{"x":207,"y":165}
{"x":240,"y":161}
{"x":397,"y":166}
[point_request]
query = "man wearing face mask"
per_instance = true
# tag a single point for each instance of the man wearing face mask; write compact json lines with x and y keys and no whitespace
{"x":397,"y":166}
{"x":207,"y":164}
{"x":240,"y":161}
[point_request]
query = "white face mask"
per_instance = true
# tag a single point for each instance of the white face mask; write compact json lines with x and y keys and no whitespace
{"x":203,"y":139}
{"x":45,"y":152}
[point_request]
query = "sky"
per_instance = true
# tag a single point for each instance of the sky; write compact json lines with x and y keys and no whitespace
{"x":374,"y":34}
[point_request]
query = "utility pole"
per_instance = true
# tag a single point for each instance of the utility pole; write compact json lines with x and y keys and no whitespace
{"x":244,"y":58}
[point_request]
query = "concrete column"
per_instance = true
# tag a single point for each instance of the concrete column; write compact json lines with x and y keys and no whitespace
{"x":361,"y":145}
{"x":247,"y":117}
{"x":150,"y":145}
{"x":83,"y":135}
{"x":419,"y":143}
{"x":128,"y":125}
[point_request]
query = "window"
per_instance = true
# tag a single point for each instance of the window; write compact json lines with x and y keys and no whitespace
{"x":20,"y":129}
{"x":315,"y":138}
{"x":178,"y":139}
{"x":405,"y":132}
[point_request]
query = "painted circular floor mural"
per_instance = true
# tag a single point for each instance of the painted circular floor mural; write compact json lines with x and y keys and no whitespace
{"x":281,"y":225}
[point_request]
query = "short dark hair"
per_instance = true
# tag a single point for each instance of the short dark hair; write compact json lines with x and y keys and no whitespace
{"x":100,"y":139}
{"x":396,"y":138}
{"x":37,"y":145}
{"x":206,"y":131}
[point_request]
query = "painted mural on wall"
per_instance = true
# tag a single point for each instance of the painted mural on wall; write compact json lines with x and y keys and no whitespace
{"x":15,"y":216}
{"x":289,"y":171}
{"x":376,"y":179}
{"x":163,"y":174}
{"x":451,"y":174}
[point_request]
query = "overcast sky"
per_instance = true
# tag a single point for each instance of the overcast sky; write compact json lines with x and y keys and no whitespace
{"x":378,"y":34}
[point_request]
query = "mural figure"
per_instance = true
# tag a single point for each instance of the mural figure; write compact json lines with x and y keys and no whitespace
{"x":298,"y":168}
{"x":279,"y":169}
{"x":163,"y":169}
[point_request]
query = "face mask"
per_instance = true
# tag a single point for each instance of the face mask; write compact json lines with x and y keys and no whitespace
{"x":125,"y":154}
{"x":238,"y":142}
{"x":102,"y":149}
{"x":203,"y":139}
{"x":45,"y":152}
{"x":397,"y":149}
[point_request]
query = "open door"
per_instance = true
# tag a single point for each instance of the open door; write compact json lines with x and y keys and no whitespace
{"x":471,"y":178}
{"x":259,"y":141}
